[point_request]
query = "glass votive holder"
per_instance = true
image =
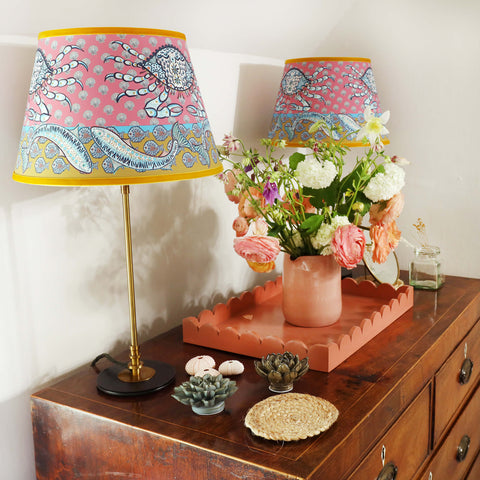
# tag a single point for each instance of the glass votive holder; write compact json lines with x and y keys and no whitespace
{"x":425,"y":270}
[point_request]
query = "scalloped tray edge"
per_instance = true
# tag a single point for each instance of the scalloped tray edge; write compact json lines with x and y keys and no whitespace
{"x":202,"y":331}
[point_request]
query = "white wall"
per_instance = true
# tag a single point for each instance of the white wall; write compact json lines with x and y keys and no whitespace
{"x":425,"y":57}
{"x":63,"y":287}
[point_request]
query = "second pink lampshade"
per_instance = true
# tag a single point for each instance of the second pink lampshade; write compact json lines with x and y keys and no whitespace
{"x":333,"y":89}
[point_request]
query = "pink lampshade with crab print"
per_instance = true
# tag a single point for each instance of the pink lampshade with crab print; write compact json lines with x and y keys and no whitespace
{"x":114,"y":106}
{"x":334,"y":90}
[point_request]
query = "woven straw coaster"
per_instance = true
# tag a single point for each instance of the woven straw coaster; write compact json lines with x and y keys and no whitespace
{"x":291,"y":416}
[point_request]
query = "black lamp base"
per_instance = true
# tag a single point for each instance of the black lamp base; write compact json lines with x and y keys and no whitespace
{"x":108,"y":381}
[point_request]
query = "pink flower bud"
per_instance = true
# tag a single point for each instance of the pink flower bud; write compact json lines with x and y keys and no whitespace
{"x":240,"y":225}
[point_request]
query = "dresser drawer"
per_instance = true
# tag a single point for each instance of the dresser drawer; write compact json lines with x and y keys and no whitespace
{"x":447,"y":464}
{"x":474,"y":473}
{"x":451,"y":387}
{"x":401,"y":452}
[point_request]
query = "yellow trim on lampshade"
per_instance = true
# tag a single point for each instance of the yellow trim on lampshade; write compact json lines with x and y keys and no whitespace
{"x":346,"y":143}
{"x":127,"y":180}
{"x":326,"y":59}
{"x":79,"y":164}
{"x":110,"y":30}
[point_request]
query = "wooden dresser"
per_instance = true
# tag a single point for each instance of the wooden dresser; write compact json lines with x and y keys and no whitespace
{"x":408,"y":396}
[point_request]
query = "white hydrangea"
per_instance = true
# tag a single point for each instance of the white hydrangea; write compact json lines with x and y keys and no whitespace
{"x":324,"y":235}
{"x":384,"y":186}
{"x":311,"y":173}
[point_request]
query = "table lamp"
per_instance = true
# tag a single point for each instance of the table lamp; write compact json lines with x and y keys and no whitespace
{"x":116,"y":106}
{"x":333,"y":89}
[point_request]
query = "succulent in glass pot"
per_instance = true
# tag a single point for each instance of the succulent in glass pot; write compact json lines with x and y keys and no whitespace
{"x":206,"y":395}
{"x":281,"y":370}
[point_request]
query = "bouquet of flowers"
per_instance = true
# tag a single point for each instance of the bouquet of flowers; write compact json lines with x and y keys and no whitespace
{"x":306,"y":205}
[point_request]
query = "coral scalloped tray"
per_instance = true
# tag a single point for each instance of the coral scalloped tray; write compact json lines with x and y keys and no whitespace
{"x":253,"y":323}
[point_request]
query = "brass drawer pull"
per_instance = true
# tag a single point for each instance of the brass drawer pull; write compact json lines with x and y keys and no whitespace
{"x":465,"y":371}
{"x":389,"y":472}
{"x":462,"y":448}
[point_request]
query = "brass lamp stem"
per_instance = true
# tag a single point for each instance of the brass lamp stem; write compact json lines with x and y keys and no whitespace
{"x":136,"y":372}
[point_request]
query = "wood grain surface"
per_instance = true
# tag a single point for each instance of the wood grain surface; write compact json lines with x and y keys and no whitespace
{"x":82,"y":433}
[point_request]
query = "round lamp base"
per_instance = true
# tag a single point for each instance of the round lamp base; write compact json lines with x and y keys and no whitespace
{"x":108,"y":381}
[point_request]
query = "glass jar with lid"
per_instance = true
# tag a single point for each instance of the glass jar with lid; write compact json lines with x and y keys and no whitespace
{"x":426,"y":268}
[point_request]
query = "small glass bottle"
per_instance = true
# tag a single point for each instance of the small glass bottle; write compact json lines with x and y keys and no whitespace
{"x":426,"y":269}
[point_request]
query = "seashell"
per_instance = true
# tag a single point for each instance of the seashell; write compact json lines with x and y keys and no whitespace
{"x":231,"y":367}
{"x":196,"y":364}
{"x":207,"y":371}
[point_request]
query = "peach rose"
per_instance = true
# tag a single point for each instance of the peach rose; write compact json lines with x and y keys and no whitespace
{"x":381,"y":248}
{"x":259,"y":227}
{"x":385,"y":238}
{"x":256,"y":248}
{"x":240,"y":225}
{"x":308,"y":207}
{"x":394,"y":235}
{"x":348,"y":245}
{"x":230,"y":184}
{"x":386,"y":212}
{"x":245,"y":207}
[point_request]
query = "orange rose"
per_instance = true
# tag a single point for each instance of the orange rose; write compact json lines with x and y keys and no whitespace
{"x":307,"y":206}
{"x":385,"y":238}
{"x":230,"y":184}
{"x":261,"y":267}
{"x":381,"y":248}
{"x":245,"y":207}
{"x":387,"y":212}
{"x":394,"y":235}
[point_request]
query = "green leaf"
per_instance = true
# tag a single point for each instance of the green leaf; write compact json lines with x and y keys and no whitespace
{"x":312,"y":224}
{"x":295,"y":159}
{"x":275,"y":229}
{"x":353,"y":177}
{"x":323,"y":197}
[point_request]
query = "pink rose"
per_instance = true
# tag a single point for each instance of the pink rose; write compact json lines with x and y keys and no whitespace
{"x":348,"y":245}
{"x":258,"y":249}
{"x":386,"y":212}
{"x":240,"y":225}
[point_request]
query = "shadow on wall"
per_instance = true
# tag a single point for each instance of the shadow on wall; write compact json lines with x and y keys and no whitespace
{"x":256,"y":96}
{"x":173,"y":241}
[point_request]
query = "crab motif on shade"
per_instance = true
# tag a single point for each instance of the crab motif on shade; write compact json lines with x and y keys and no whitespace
{"x":333,"y":89}
{"x":114,"y":106}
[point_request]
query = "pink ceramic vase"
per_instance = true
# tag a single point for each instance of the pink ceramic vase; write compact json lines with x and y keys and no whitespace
{"x":312,"y":290}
